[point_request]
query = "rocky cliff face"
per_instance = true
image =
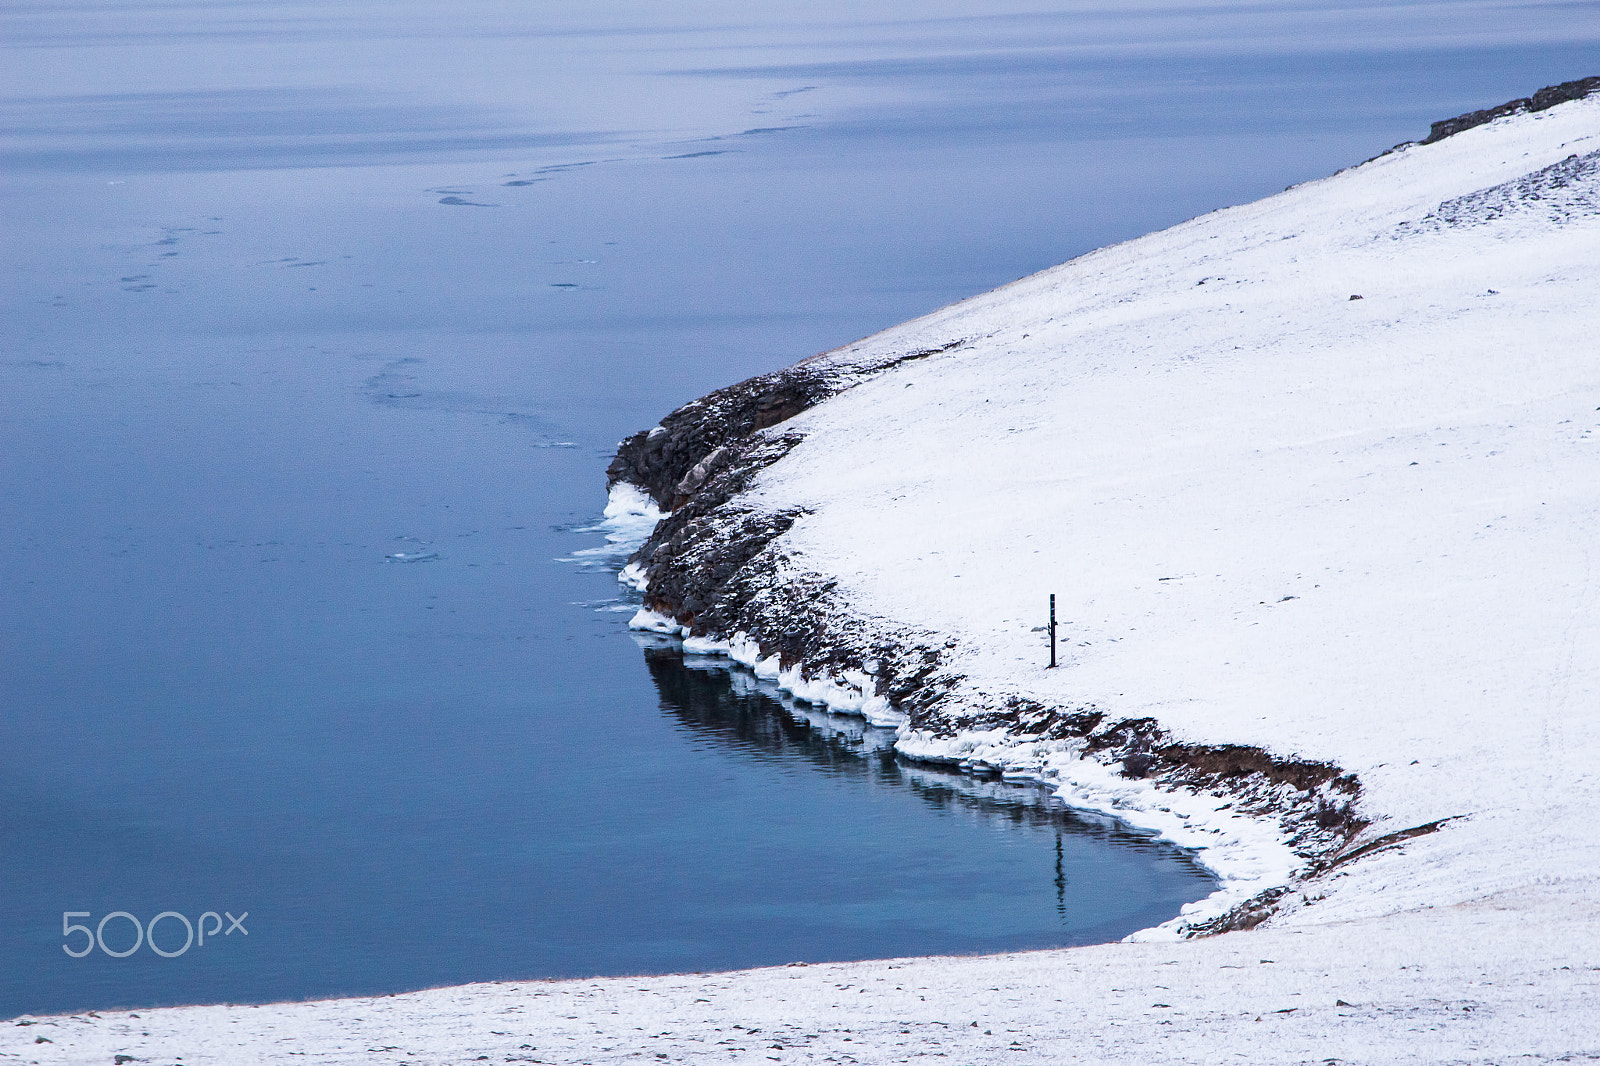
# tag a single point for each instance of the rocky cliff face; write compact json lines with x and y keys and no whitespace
{"x":716,"y":563}
{"x":712,"y":563}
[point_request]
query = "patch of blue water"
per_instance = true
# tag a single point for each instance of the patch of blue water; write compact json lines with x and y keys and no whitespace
{"x":298,"y":293}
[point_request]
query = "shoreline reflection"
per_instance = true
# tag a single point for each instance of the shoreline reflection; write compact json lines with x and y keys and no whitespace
{"x":723,"y":704}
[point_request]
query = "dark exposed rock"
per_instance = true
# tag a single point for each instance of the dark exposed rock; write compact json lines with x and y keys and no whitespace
{"x":666,"y":461}
{"x":1247,"y":915}
{"x":670,"y":461}
{"x":1543,"y":100}
{"x":1381,"y":843}
{"x":1137,"y":763}
{"x":714,"y":563}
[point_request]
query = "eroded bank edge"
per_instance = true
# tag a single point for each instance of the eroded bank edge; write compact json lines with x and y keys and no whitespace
{"x":716,"y":571}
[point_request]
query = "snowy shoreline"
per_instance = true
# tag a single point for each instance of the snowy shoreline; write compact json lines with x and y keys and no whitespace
{"x":1247,"y":855}
{"x":1319,"y":483}
{"x":1436,"y":297}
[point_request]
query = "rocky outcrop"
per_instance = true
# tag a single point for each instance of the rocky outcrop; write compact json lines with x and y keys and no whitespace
{"x":1545,"y":98}
{"x":716,"y":563}
{"x":674,"y":460}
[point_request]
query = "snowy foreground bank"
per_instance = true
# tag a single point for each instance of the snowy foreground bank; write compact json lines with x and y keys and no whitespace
{"x":1315,"y":476}
{"x":1503,"y":980}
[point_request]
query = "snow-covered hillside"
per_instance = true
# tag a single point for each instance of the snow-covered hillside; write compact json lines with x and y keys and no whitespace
{"x":1312,"y":476}
{"x":1359,"y":530}
{"x":1317,"y":476}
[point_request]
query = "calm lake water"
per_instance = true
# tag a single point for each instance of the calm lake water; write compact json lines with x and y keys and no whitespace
{"x":292,"y":289}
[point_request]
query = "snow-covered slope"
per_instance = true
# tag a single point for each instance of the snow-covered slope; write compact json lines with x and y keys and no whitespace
{"x":1356,"y":531}
{"x":1498,"y":982}
{"x":1313,"y":476}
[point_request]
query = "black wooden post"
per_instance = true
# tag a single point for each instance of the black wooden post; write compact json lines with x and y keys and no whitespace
{"x":1052,"y":631}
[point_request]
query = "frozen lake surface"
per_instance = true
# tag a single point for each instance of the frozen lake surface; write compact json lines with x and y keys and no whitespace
{"x":320,"y":325}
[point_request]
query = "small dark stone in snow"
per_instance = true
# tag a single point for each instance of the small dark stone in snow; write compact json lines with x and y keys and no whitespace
{"x":1342,"y":1003}
{"x":1356,"y":296}
{"x":1137,"y":764}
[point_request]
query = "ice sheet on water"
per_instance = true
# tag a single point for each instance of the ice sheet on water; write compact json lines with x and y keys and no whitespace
{"x":413,"y":557}
{"x":629,"y":518}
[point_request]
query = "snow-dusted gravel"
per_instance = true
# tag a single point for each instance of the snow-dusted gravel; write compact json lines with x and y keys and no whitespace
{"x":1353,"y":530}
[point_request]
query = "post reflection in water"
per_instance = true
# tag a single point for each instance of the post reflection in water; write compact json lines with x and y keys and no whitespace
{"x":1008,"y":865}
{"x":1061,"y":881}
